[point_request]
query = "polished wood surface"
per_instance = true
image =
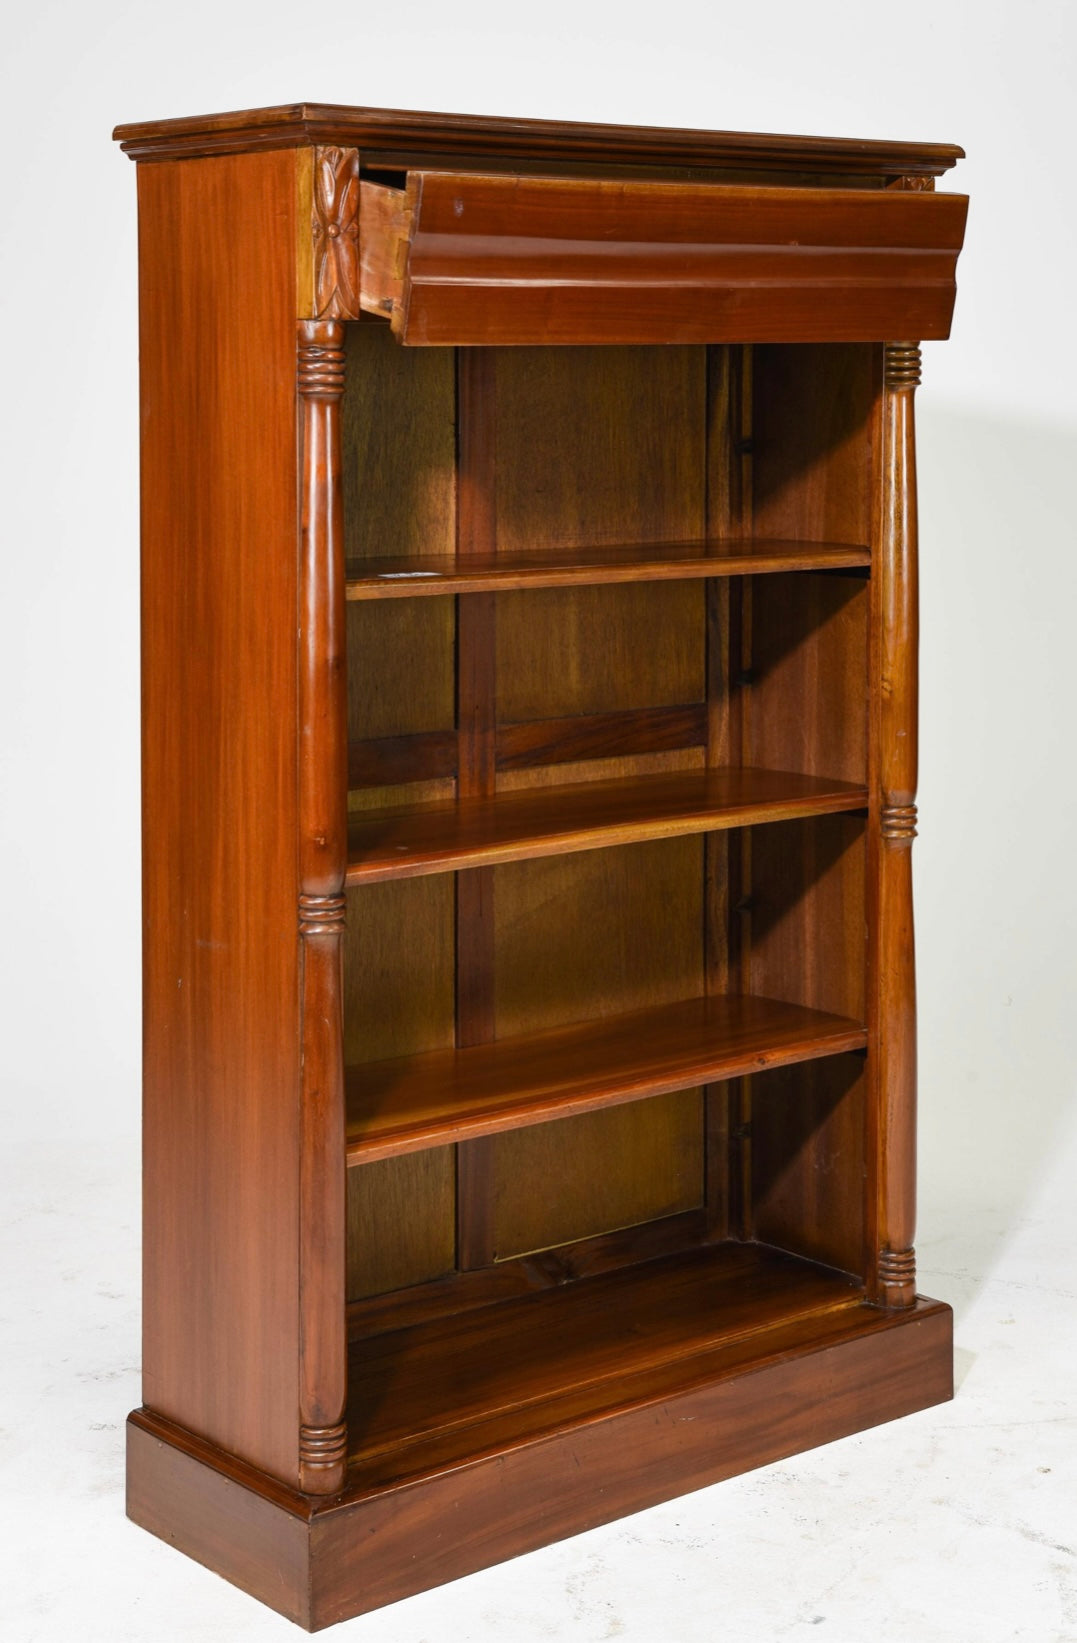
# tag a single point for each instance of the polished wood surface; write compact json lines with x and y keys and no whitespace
{"x":476,"y":718}
{"x":403,"y":1106}
{"x":530,"y":776}
{"x":221,"y":1128}
{"x":323,"y":743}
{"x":497,"y":1366}
{"x":804,"y":1381}
{"x":893,"y":1217}
{"x":306,"y":124}
{"x":565,"y":567}
{"x":556,"y":260}
{"x":434,"y":838}
{"x":464,"y":1291}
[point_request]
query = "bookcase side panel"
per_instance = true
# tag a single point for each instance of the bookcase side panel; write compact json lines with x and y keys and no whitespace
{"x":219,"y":602}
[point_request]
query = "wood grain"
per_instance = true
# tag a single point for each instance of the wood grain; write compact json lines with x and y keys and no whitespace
{"x":417,"y":839}
{"x":807,"y":1380}
{"x":220,"y":947}
{"x":406,"y":1105}
{"x":554,"y":567}
{"x":559,"y":260}
{"x":614,"y":832}
{"x":893,"y":1133}
{"x":322,"y":712}
{"x":300,"y":124}
{"x":477,"y":427}
{"x":399,"y":1000}
{"x":728,"y":456}
{"x":529,"y":742}
{"x":539,"y":1349}
{"x":488,"y":1286}
{"x":399,"y":484}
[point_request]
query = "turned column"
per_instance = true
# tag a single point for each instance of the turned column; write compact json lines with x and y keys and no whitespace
{"x":322,"y":865}
{"x":895,"y":1003}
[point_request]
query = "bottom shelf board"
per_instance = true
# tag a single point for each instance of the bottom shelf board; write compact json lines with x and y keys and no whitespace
{"x":447,"y":1389}
{"x":727,"y":1403}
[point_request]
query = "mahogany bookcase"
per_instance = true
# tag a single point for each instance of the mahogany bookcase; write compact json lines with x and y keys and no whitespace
{"x":530,"y":714}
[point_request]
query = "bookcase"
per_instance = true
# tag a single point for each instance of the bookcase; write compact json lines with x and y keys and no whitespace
{"x":529,"y":759}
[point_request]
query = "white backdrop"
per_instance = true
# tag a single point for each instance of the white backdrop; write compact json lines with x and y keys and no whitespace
{"x":997,"y":890}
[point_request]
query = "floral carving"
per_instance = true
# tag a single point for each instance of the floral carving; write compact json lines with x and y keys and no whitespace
{"x":335,"y":226}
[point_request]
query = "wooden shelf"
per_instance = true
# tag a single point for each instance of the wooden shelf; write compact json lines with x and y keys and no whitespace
{"x":464,"y":1385}
{"x":415,"y":577}
{"x":410,"y":840}
{"x":414,"y":1102}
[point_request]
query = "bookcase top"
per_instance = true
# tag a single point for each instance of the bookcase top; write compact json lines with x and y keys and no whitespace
{"x":298,"y":125}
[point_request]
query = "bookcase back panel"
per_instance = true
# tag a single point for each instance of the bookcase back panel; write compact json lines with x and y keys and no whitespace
{"x":401,"y":668}
{"x":398,"y":427}
{"x":399,"y":1000}
{"x":582,"y":937}
{"x":597,"y":1173}
{"x":563,"y":651}
{"x":597,"y":933}
{"x":398,"y":430}
{"x":599,"y":445}
{"x":398,"y":968}
{"x":401,"y":1222}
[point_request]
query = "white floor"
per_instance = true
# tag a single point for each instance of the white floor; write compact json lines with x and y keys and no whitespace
{"x":958,"y":1525}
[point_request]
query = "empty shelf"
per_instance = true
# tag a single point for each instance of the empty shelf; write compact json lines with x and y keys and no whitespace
{"x":473,"y":1382}
{"x":420,"y":1101}
{"x":409,"y":578}
{"x":411,"y":840}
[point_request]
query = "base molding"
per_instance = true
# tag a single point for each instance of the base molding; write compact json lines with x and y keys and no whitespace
{"x":320,"y":1560}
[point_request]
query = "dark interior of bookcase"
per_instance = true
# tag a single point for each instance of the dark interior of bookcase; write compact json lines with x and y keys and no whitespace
{"x":636,"y":1237}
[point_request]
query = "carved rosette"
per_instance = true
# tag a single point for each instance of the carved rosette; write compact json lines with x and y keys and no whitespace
{"x":335,"y":232}
{"x":321,"y":911}
{"x":895,"y":1000}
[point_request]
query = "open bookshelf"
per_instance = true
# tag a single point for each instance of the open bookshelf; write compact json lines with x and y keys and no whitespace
{"x":529,"y":775}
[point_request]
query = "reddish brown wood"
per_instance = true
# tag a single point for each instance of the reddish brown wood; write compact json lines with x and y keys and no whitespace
{"x":432,"y":838}
{"x":894,"y":1004}
{"x":600,"y":736}
{"x":431,"y":755}
{"x":540,"y":1352}
{"x":219,"y":749}
{"x":805,"y":1380}
{"x":476,"y":534}
{"x":729,"y":515}
{"x":385,"y":761}
{"x":301,"y":124}
{"x":450,"y":1095}
{"x":222,"y":1512}
{"x":572,"y":566}
{"x":586,"y":1317}
{"x":335,"y":234}
{"x":544,"y":1269}
{"x":323,"y":745}
{"x":534,"y":260}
